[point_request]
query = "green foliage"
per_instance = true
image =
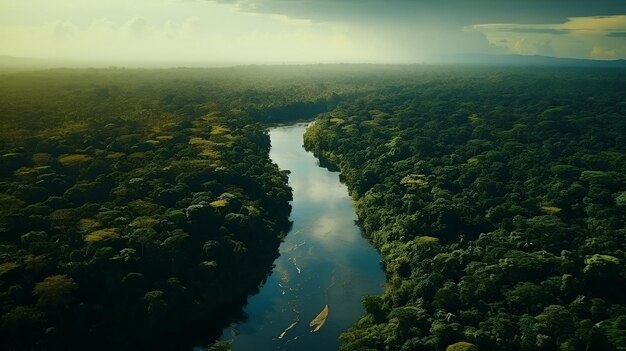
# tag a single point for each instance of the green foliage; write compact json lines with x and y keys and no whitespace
{"x":524,"y":223}
{"x":555,"y":320}
{"x":528,"y":298}
{"x":600,"y":263}
{"x":102,"y":235}
{"x":374,"y":306}
{"x":7,"y":268}
{"x":620,"y":200}
{"x":462,"y":346}
{"x":105,"y":206}
{"x":22,"y":322}
{"x":69,"y":160}
{"x":425,"y":240}
{"x":55,"y":291}
{"x":148,"y":200}
{"x":9,"y":203}
{"x":220,"y":346}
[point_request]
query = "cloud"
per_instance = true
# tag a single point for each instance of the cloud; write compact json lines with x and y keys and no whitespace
{"x":595,"y":24}
{"x":417,"y":29}
{"x":137,"y":26}
{"x":263,"y":31}
{"x":186,"y":31}
{"x":599,"y":52}
{"x":531,"y":30}
{"x":462,"y":11}
{"x":597,"y":37}
{"x":64,"y":30}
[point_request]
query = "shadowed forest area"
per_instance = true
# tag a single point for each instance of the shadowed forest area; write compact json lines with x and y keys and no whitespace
{"x":139,"y":208}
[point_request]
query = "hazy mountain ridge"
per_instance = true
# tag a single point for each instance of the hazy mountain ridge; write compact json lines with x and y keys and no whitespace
{"x":532,"y":60}
{"x":16,"y":64}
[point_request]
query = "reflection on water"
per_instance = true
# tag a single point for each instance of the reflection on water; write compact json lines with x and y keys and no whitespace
{"x":323,"y":261}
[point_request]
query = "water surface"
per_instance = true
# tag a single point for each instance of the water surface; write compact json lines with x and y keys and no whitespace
{"x":324,"y":260}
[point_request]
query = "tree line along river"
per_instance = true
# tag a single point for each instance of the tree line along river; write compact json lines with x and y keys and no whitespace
{"x":325,"y":265}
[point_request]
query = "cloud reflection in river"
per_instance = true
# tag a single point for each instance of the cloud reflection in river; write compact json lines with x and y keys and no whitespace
{"x":324,"y":260}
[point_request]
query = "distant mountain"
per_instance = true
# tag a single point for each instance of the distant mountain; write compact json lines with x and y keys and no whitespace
{"x":529,"y":60}
{"x":16,"y":64}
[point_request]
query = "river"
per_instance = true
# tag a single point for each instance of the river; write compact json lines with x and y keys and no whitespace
{"x":324,"y":261}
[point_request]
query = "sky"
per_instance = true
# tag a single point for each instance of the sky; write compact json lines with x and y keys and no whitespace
{"x":309,"y":31}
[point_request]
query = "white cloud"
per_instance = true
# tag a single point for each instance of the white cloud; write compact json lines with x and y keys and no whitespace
{"x":137,"y":26}
{"x":64,"y":30}
{"x":182,"y":31}
{"x":288,"y":20}
{"x":596,"y":24}
{"x":578,"y":37}
{"x":599,"y":52}
{"x":195,"y":31}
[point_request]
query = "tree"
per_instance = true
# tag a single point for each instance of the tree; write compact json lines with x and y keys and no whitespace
{"x":528,"y":298}
{"x":556,"y":320}
{"x":602,"y":275}
{"x":620,"y":200}
{"x":374,"y":306}
{"x":462,"y":346}
{"x":55,"y":291}
{"x":447,"y":298}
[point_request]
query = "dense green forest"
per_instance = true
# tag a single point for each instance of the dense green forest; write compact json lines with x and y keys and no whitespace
{"x":139,"y":208}
{"x":497,"y":198}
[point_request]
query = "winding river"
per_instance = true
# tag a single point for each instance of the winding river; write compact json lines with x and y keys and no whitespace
{"x":324,"y":261}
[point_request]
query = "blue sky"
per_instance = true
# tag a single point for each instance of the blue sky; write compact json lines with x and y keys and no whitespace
{"x":305,"y":31}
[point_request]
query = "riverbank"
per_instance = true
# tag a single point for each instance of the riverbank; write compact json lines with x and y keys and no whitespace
{"x":324,"y":260}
